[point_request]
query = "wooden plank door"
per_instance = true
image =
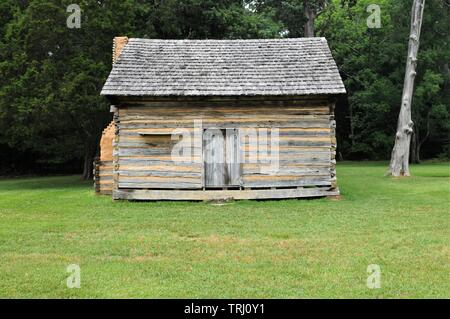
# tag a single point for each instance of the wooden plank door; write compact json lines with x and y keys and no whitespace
{"x":232,"y":149}
{"x":221,"y":157}
{"x":214,"y":158}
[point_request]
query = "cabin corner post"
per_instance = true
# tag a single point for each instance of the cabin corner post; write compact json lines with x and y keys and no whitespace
{"x":116,"y":120}
{"x":334,"y":186}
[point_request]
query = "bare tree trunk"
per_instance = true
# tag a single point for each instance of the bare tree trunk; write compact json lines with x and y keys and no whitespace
{"x":399,"y":165}
{"x":310,"y":15}
{"x":88,"y":167}
{"x":88,"y":164}
{"x":447,"y":68}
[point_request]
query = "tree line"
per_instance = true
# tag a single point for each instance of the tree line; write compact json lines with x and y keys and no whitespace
{"x":52,"y":116}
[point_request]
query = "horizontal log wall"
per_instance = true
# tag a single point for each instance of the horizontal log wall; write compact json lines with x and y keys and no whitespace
{"x":145,"y":161}
{"x":143,"y":144}
{"x":103,"y":177}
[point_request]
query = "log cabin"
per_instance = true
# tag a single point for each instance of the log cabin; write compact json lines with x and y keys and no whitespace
{"x":220,"y":119}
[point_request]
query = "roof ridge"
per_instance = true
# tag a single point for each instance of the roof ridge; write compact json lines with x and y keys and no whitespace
{"x":232,"y":40}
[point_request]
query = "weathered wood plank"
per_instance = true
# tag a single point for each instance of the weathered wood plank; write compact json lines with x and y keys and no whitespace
{"x":182,"y":109}
{"x":149,"y":173}
{"x":103,"y":179}
{"x":212,"y":121}
{"x":105,"y":183}
{"x":233,"y":156}
{"x":287,"y":164}
{"x":214,"y":157}
{"x":159,"y":185}
{"x":131,"y":133}
{"x":135,"y":100}
{"x":288,"y":142}
{"x":162,"y":158}
{"x":154,"y":151}
{"x":284,"y":181}
{"x":300,"y":151}
{"x":221,"y":194}
{"x":289,"y":158}
{"x":219,"y":118}
{"x":150,"y":131}
{"x":169,"y":167}
{"x":225,"y":125}
{"x":182,"y":105}
{"x":159,"y":179}
{"x":286,"y":170}
{"x":105,"y":176}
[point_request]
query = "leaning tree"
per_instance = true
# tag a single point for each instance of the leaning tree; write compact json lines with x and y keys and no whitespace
{"x":399,"y":165}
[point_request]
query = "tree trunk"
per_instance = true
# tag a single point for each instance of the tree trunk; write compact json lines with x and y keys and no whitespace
{"x":310,"y":15}
{"x":87,"y":167}
{"x":399,"y":165}
{"x":88,"y":164}
{"x":447,"y":68}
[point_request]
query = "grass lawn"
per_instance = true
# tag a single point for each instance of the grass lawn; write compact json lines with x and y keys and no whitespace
{"x":267,"y":249}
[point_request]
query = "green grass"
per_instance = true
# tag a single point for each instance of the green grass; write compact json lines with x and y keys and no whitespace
{"x":285,"y":249}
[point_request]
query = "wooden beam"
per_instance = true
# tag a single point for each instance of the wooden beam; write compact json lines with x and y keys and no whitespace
{"x":142,"y":194}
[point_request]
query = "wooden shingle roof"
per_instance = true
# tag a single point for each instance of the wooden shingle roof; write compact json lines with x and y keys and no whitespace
{"x":301,"y":66}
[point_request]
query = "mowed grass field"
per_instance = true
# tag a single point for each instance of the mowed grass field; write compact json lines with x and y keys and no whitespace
{"x":244,"y":249}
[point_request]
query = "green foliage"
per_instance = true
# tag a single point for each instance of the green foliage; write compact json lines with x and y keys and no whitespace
{"x":52,"y":76}
{"x":431,"y":104}
{"x":200,"y":19}
{"x":372,"y":62}
{"x":289,"y":13}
